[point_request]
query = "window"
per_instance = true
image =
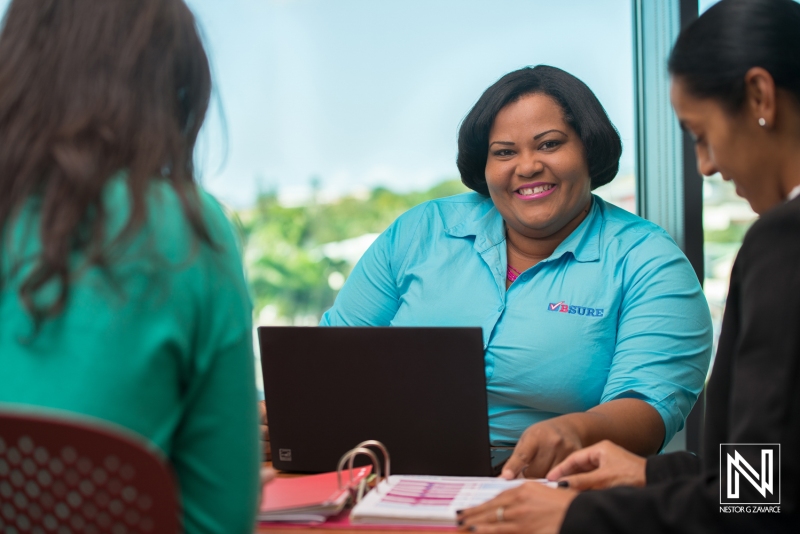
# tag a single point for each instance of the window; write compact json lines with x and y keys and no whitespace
{"x":330,"y":118}
{"x":726,"y":219}
{"x":340,"y":115}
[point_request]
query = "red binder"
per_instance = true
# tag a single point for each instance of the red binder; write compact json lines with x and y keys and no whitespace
{"x":341,"y":521}
{"x":307,"y":499}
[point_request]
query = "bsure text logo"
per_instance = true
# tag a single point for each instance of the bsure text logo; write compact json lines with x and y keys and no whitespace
{"x":562,"y":307}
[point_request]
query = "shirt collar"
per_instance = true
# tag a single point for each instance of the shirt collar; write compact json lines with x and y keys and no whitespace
{"x":584,"y":241}
{"x":486,"y":224}
{"x":794,"y":193}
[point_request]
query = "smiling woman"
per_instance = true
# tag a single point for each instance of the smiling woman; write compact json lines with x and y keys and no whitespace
{"x":524,"y":121}
{"x":555,"y":195}
{"x":594,"y":323}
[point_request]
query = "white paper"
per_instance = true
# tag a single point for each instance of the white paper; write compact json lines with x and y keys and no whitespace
{"x":427,"y":500}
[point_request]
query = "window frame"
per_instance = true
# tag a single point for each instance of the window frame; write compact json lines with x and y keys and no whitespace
{"x":669,"y":188}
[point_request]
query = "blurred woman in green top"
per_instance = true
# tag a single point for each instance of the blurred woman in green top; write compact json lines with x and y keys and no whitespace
{"x":122,"y":295}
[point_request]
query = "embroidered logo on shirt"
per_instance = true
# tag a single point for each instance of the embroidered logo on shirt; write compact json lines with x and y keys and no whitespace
{"x":562,"y":307}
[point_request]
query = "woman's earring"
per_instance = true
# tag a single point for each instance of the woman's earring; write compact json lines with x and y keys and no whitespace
{"x":762,"y":122}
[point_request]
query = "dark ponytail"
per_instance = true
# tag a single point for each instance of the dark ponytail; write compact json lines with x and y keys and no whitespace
{"x":713,"y":54}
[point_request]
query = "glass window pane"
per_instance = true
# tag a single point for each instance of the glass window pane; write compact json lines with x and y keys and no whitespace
{"x":332,"y":117}
{"x":726,"y":218}
{"x":343,"y":114}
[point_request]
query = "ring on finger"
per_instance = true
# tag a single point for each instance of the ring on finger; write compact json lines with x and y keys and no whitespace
{"x":500,"y":514}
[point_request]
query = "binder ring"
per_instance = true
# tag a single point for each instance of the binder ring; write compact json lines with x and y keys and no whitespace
{"x":351,"y":455}
{"x":382,"y":447}
{"x":361,"y":448}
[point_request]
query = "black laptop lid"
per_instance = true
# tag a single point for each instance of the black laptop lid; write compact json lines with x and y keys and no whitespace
{"x":420,"y":391}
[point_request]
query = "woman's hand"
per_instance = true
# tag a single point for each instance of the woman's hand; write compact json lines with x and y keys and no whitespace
{"x":265,"y":447}
{"x":632,"y":423}
{"x":603,"y":465}
{"x":529,"y":508}
{"x":267,"y":475}
{"x":541,"y":447}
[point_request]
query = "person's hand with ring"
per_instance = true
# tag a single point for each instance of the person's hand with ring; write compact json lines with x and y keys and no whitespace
{"x":531,"y":507}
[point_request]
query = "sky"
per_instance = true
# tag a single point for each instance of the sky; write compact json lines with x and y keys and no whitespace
{"x":358,"y":93}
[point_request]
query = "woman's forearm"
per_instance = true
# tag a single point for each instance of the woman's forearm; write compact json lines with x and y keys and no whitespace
{"x":630,"y":423}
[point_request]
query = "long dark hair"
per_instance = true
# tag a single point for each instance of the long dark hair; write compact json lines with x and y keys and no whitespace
{"x":713,"y":54}
{"x":88,"y":89}
{"x":582,"y":111}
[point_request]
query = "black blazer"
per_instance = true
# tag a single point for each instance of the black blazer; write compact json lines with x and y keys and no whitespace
{"x":753,"y":396}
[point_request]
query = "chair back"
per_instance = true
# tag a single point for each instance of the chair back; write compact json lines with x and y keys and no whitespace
{"x":65,"y":476}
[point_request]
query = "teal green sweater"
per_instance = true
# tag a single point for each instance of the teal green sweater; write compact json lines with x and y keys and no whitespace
{"x":160,"y":343}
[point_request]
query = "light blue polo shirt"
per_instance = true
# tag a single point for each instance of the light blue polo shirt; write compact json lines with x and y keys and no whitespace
{"x":615,"y":312}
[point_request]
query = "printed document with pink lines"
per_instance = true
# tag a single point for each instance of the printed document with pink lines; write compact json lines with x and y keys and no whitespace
{"x":427,"y":500}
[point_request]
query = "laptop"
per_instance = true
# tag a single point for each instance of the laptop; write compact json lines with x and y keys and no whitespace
{"x":419,"y":391}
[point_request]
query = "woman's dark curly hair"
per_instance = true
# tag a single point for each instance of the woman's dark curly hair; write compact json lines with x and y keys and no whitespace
{"x":582,"y":111}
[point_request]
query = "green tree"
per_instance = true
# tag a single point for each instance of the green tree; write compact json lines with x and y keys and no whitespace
{"x":285,"y":264}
